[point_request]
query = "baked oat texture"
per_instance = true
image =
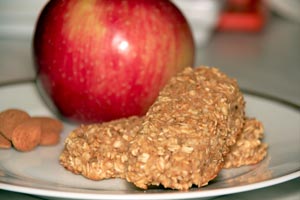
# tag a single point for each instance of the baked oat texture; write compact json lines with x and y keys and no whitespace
{"x":182,"y":140}
{"x":248,"y":149}
{"x":99,"y":151}
{"x":187,"y":132}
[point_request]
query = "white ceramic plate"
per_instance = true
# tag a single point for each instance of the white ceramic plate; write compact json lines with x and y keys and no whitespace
{"x":39,"y":173}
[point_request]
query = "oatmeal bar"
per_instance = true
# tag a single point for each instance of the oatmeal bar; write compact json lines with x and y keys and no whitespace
{"x":183,"y":140}
{"x":187,"y":132}
{"x":99,"y":151}
{"x":248,"y":149}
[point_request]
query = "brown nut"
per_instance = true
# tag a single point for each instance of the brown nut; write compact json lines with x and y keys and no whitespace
{"x":10,"y":119}
{"x":27,"y":135}
{"x":4,"y":143}
{"x":50,"y":123}
{"x":51,"y":129}
{"x":49,"y":137}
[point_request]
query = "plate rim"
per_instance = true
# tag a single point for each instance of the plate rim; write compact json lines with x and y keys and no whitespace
{"x":154,"y":196}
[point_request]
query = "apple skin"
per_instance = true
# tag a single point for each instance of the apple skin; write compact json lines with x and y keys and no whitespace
{"x":107,"y":59}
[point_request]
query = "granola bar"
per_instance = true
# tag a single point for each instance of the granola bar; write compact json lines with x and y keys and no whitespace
{"x":111,"y":161}
{"x":187,"y":132}
{"x":183,"y":139}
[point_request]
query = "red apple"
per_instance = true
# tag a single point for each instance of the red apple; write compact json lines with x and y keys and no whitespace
{"x":107,"y":59}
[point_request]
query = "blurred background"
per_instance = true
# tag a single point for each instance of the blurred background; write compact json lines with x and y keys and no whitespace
{"x":255,"y":41}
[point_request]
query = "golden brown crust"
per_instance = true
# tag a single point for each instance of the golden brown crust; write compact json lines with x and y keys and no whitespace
{"x":187,"y":131}
{"x":248,"y":149}
{"x":183,"y":139}
{"x":99,"y":151}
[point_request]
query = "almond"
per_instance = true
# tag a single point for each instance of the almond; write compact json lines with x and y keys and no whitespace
{"x":51,"y":129}
{"x":4,"y":143}
{"x":49,"y":137}
{"x":27,"y":135}
{"x":10,"y":119}
{"x":50,"y":123}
